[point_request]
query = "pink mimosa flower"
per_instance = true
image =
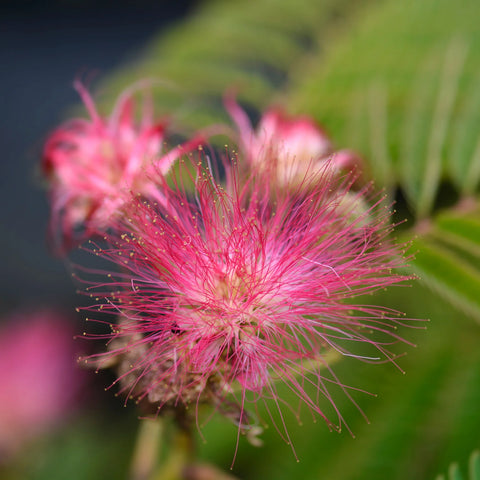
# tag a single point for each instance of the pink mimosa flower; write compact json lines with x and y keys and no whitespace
{"x":231,"y":292}
{"x":298,"y":145}
{"x":39,"y":377}
{"x":94,"y":164}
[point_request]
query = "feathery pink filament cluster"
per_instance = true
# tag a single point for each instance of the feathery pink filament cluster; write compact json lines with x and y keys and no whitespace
{"x":93,"y":165}
{"x":232,"y":288}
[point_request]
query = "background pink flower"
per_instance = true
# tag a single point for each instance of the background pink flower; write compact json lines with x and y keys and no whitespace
{"x":94,"y":164}
{"x":297,"y":144}
{"x":39,"y":377}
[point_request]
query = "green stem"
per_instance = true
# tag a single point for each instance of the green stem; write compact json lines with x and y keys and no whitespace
{"x":180,"y":455}
{"x":147,"y":449}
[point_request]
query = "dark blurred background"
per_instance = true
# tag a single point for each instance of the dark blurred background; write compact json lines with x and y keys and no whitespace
{"x":44,"y":46}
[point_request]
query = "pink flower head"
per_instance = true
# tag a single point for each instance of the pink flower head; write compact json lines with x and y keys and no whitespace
{"x":231,"y":292}
{"x":94,"y":164}
{"x":298,"y":145}
{"x":38,"y":376}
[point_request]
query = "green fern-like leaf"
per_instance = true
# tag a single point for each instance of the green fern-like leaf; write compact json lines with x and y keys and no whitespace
{"x":454,"y":472}
{"x":448,"y":257}
{"x":414,"y":64}
{"x":251,"y":46}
